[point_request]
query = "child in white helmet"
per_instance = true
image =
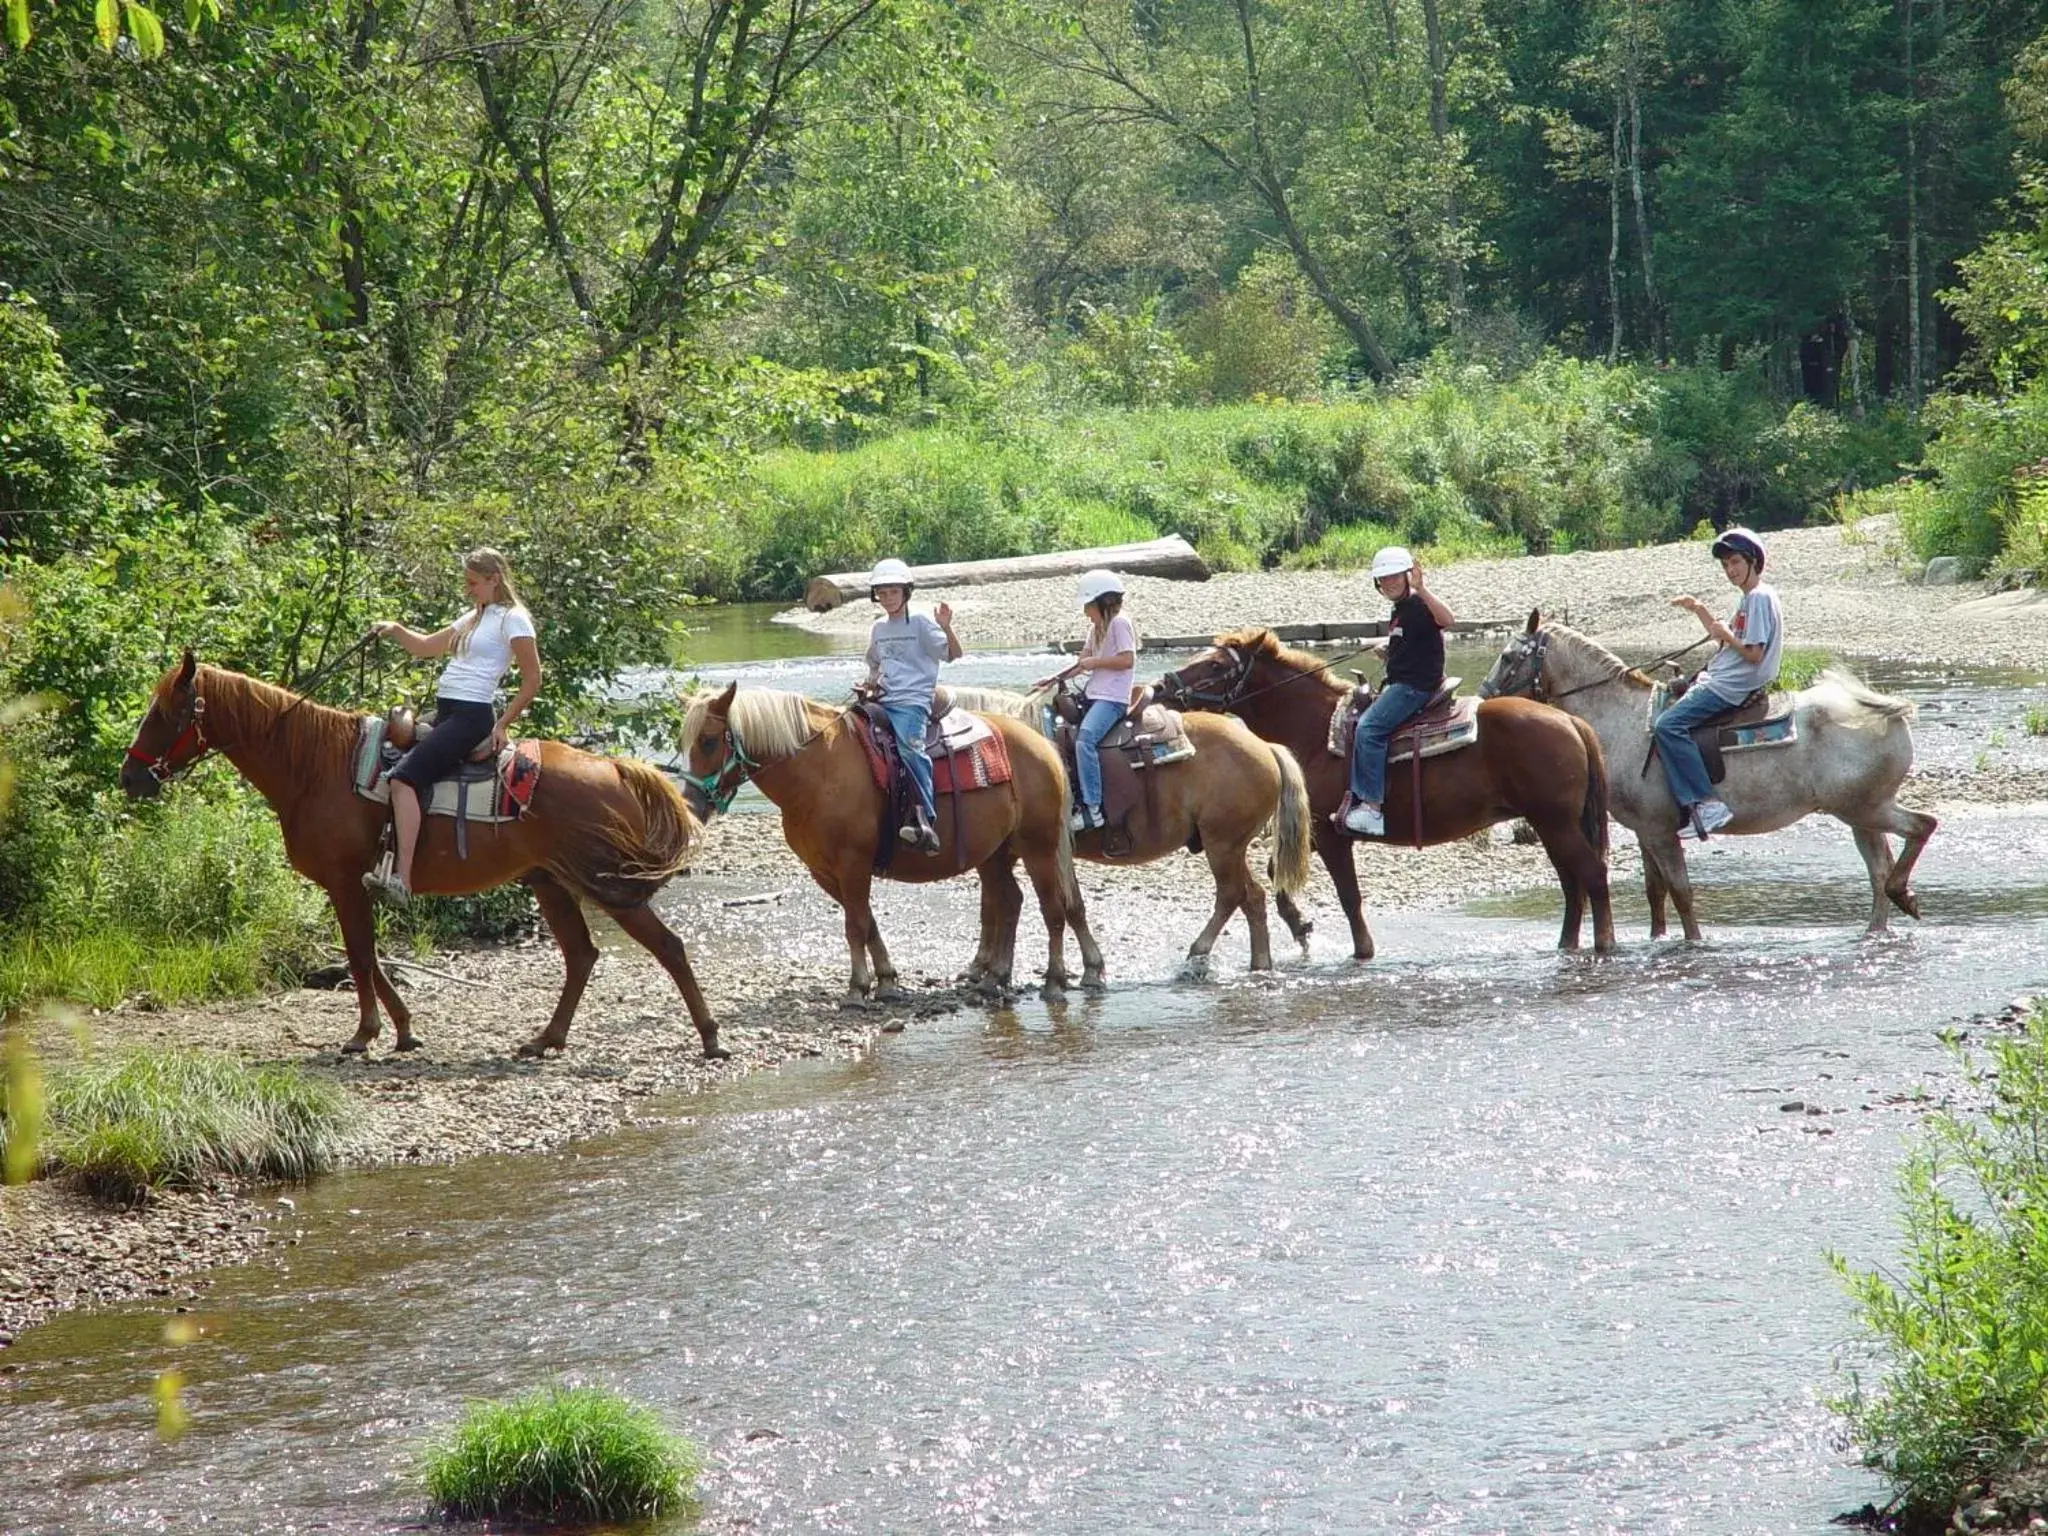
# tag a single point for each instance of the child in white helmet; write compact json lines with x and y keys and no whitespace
{"x":1750,"y":643}
{"x":904,"y":653}
{"x":1109,"y":657}
{"x":1414,"y":651}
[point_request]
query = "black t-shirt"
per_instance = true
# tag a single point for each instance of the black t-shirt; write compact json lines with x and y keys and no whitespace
{"x":1415,"y":645}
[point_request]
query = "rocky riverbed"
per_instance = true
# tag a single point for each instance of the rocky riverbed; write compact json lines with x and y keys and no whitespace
{"x":463,"y":1095}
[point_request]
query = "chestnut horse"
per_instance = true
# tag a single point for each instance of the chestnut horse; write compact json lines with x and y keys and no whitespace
{"x":807,"y":758}
{"x":1529,"y":761}
{"x":608,"y":830}
{"x":1215,"y":802}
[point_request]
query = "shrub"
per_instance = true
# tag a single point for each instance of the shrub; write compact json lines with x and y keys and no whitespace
{"x":149,"y":1119}
{"x":1800,"y":666}
{"x":576,"y":1453}
{"x":1960,"y":1322}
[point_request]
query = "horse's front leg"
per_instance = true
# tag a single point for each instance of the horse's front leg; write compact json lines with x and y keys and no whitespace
{"x":1334,"y":849}
{"x":359,"y":938}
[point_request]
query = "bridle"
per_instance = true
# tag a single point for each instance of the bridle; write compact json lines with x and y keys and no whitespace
{"x":1233,"y":695}
{"x":722,"y":784}
{"x":165,"y":767}
{"x":1536,"y":646}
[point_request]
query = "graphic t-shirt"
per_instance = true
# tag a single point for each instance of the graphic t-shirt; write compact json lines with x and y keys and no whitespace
{"x":1757,"y":621}
{"x":1415,"y":645}
{"x":907,"y":653}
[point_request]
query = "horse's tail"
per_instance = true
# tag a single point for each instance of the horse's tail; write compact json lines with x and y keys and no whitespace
{"x":622,"y":864}
{"x":1593,"y":813}
{"x":1070,"y":884}
{"x":1291,"y":837}
{"x":1861,"y":706}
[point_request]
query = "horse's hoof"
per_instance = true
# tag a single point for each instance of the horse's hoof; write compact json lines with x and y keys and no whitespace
{"x":1906,"y":902}
{"x":1053,"y":992}
{"x":409,"y":1043}
{"x":893,"y":994}
{"x":537,"y":1047}
{"x":1195,"y":968}
{"x":855,"y":1002}
{"x":717,"y":1053}
{"x":357,"y":1047}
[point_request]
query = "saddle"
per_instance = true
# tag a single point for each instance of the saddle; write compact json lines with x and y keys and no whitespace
{"x":1446,"y":723}
{"x":1764,"y":719}
{"x":484,"y":787}
{"x":966,"y":754}
{"x":1148,"y":736}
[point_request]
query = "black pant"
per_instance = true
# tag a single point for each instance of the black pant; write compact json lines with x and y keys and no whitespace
{"x":459,"y":728}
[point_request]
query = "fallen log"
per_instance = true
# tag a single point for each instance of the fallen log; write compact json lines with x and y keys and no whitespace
{"x":1172,"y":558}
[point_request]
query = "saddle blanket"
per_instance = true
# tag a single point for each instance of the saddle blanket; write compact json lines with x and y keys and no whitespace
{"x":979,"y":756}
{"x":1778,"y":726}
{"x":503,"y":793}
{"x":1431,"y":735}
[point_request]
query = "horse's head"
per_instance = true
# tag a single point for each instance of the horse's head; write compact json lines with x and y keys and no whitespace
{"x":717,"y":763}
{"x":172,"y":736}
{"x":1519,"y":667}
{"x":1214,"y":680}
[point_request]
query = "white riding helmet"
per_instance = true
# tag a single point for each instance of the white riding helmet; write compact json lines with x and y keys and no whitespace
{"x":889,"y":573}
{"x":1099,"y":584}
{"x":1392,"y":561}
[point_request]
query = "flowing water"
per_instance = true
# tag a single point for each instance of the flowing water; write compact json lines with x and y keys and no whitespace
{"x":1476,"y":1238}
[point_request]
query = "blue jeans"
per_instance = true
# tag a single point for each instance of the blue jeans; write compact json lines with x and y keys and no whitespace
{"x":1684,"y":769}
{"x":908,"y":721}
{"x":1102,"y":714}
{"x":1396,"y":705}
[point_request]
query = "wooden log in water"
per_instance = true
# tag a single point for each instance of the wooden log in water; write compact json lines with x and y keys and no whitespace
{"x":1173,"y":558}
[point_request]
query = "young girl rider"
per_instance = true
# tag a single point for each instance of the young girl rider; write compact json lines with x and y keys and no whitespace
{"x":1414,"y":650}
{"x":1109,"y":655}
{"x":1750,"y":643}
{"x":481,"y":645}
{"x":904,"y":653}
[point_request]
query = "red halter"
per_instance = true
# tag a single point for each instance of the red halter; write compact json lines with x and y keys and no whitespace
{"x":160,"y":768}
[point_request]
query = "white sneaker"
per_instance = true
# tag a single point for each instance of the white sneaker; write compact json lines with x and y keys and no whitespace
{"x":1084,"y":817}
{"x":1366,"y":821}
{"x":1708,"y":816}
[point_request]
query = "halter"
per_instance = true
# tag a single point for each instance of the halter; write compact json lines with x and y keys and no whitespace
{"x":1539,"y":647}
{"x":161,"y":767}
{"x":720,"y":786}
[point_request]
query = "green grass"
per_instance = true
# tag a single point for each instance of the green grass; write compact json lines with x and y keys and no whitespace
{"x":574,"y":1453}
{"x":144,"y":1120}
{"x":1800,"y":666}
{"x":1959,"y":1322}
{"x":2035,"y":721}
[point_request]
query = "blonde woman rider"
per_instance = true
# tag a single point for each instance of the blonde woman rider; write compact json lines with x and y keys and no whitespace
{"x":495,"y":635}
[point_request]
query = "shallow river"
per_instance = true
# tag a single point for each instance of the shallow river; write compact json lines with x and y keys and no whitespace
{"x":1477,"y":1238}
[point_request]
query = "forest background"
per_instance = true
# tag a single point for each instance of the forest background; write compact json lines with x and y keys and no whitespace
{"x":674,"y":300}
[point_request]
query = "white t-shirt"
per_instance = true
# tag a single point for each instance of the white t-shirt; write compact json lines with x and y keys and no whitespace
{"x":472,"y":675}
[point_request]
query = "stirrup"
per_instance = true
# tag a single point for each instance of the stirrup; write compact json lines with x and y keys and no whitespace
{"x":387,"y":888}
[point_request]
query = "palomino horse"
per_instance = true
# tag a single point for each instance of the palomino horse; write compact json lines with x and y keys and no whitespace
{"x":1529,"y":761}
{"x":1854,"y":750}
{"x":608,"y":830}
{"x":1217,"y":801}
{"x":807,"y":758}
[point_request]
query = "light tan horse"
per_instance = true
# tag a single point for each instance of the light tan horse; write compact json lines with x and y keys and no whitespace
{"x":609,"y":830}
{"x":1214,"y":803}
{"x":808,"y":759}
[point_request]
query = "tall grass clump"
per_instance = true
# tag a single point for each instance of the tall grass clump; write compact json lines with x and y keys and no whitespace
{"x":1959,"y":1324}
{"x":556,"y":1453}
{"x":147,"y":1120}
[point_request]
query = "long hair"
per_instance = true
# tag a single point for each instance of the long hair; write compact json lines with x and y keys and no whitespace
{"x":1101,"y":611}
{"x":485,"y":561}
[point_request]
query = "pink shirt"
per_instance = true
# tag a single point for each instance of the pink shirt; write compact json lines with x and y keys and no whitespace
{"x":1114,"y":685}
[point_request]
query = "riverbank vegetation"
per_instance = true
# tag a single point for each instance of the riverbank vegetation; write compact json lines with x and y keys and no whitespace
{"x":298,"y":302}
{"x":560,"y":1453}
{"x":1958,"y":1407}
{"x":144,"y":1120}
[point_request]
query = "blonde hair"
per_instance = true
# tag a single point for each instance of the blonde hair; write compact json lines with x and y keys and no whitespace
{"x":485,"y":561}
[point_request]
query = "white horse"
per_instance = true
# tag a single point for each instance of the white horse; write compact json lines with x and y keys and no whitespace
{"x":1854,"y":750}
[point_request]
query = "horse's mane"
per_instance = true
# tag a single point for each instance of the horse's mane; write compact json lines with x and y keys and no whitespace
{"x":309,"y":739}
{"x":1263,"y":643}
{"x":999,"y":701}
{"x":770,"y":722}
{"x":1593,"y":652}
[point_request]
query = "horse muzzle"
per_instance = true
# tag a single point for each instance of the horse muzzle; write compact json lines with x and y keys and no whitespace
{"x":138,"y":783}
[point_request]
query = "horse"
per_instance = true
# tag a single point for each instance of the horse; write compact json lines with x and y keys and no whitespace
{"x":612,"y":831}
{"x":1854,"y":750}
{"x":1528,"y":761}
{"x":1215,"y":802}
{"x":808,"y":759}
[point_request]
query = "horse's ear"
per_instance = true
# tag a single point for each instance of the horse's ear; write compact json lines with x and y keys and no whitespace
{"x":1535,"y":620}
{"x":185,"y":672}
{"x":722,"y":705}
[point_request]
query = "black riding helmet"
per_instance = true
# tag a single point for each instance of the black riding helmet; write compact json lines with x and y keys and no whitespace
{"x":1740,"y":541}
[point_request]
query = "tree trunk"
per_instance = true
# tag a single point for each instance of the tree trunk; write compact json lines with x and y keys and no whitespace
{"x":1635,"y":174}
{"x":1440,"y":131}
{"x":1614,"y":237}
{"x":1913,"y":306}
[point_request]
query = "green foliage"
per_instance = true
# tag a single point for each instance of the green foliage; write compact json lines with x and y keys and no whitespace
{"x":1265,"y":339}
{"x":147,"y":1120}
{"x":1960,"y":1322}
{"x":560,"y":1453}
{"x":1800,"y":666}
{"x":1128,"y":359}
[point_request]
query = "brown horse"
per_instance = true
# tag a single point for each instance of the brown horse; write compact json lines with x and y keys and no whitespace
{"x":1529,"y":761}
{"x":807,"y":758}
{"x":1216,"y":801}
{"x":611,"y":831}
